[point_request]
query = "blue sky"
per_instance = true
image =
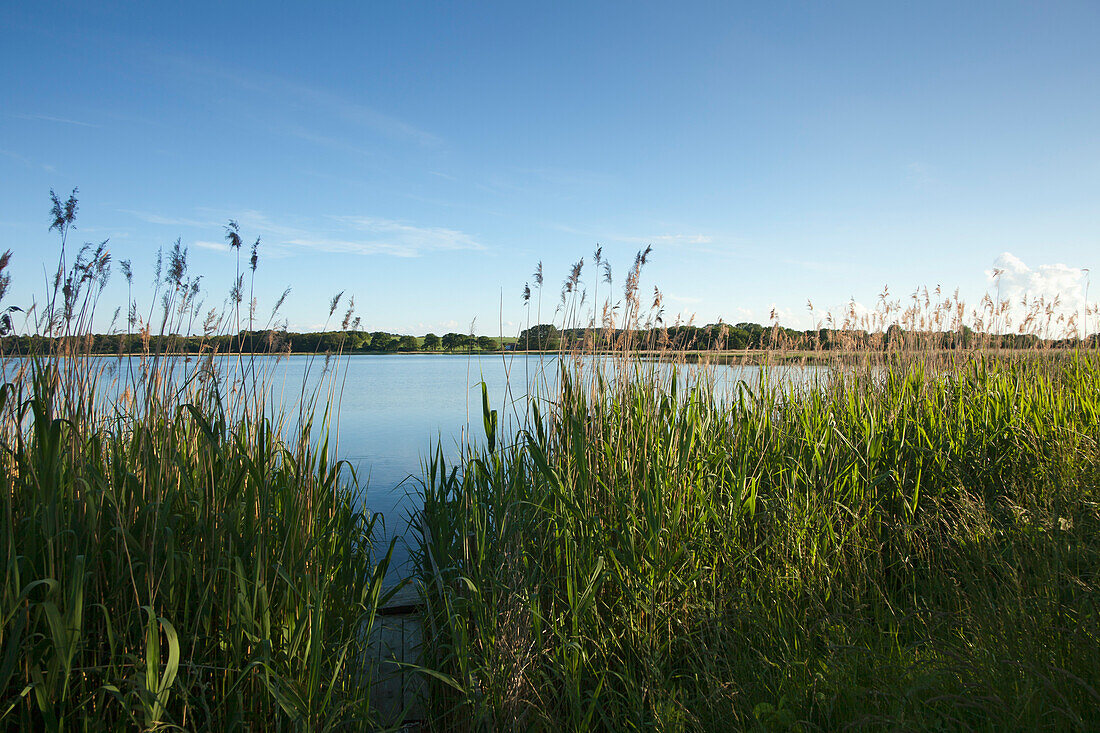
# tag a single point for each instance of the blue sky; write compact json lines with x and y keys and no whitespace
{"x":424,"y":157}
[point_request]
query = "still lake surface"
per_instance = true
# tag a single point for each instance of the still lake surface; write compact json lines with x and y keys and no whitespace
{"x":392,"y":410}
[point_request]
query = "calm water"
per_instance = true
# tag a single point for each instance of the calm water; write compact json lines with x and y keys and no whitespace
{"x":394,"y":408}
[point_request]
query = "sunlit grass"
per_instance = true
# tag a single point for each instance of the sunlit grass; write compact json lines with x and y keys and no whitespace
{"x":176,"y":553}
{"x":913,"y":548}
{"x":911,"y":544}
{"x":908,"y":543}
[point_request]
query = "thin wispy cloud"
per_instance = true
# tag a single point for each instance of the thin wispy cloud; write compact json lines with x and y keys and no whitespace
{"x":354,"y":247}
{"x":328,"y":141}
{"x":27,"y":161}
{"x":260,"y":223}
{"x":408,"y":240}
{"x":570,"y":179}
{"x":919,"y":174}
{"x":216,"y":246}
{"x":696,"y":241}
{"x":172,"y":221}
{"x":51,"y":118}
{"x":816,"y":266}
{"x":353,"y":235}
{"x":494,"y":188}
{"x":322,"y":103}
{"x":16,"y":156}
{"x":674,"y":240}
{"x":708,"y":244}
{"x":363,"y":115}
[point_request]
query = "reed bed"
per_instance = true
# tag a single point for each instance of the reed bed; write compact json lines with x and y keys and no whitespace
{"x":910,"y":545}
{"x":177,"y":553}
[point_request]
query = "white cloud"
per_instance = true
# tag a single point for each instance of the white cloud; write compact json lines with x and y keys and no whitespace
{"x":328,"y":141}
{"x":26,"y":161}
{"x":346,"y":246}
{"x":833,"y":315}
{"x":1060,"y":288}
{"x":251,"y":220}
{"x":919,"y":174}
{"x":357,"y":235}
{"x":787,"y":317}
{"x":682,"y":239}
{"x":816,"y":266}
{"x":1056,"y":289}
{"x":51,"y":118}
{"x":171,"y":221}
{"x":387,"y":236}
{"x":218,"y":246}
{"x":668,"y":239}
{"x":320,"y":102}
{"x":300,"y":327}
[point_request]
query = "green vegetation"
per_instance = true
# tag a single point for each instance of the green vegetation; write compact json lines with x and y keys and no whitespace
{"x":176,"y":565}
{"x":269,"y":341}
{"x":910,"y":544}
{"x":720,"y":337}
{"x":907,"y":547}
{"x":176,"y":554}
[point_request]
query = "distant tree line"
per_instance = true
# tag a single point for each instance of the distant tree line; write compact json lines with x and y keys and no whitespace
{"x":266,"y":342}
{"x":546,"y":337}
{"x":750,"y":336}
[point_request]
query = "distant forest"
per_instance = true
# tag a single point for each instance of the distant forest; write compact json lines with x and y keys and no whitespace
{"x":271,"y":341}
{"x":753,"y":336}
{"x":545,"y":337}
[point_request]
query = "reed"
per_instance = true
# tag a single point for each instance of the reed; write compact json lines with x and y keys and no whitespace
{"x":903,"y":537}
{"x":177,"y":553}
{"x":908,"y":543}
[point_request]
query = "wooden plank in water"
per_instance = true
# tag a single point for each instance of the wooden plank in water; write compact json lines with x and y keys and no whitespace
{"x":394,"y":642}
{"x":404,"y":602}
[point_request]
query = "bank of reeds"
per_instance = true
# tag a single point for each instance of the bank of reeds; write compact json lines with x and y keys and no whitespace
{"x":177,"y":554}
{"x":911,"y":544}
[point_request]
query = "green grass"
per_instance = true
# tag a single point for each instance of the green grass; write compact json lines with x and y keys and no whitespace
{"x":176,"y":553}
{"x":177,"y":565}
{"x":912,"y":546}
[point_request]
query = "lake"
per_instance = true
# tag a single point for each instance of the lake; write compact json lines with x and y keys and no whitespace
{"x":394,"y":408}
